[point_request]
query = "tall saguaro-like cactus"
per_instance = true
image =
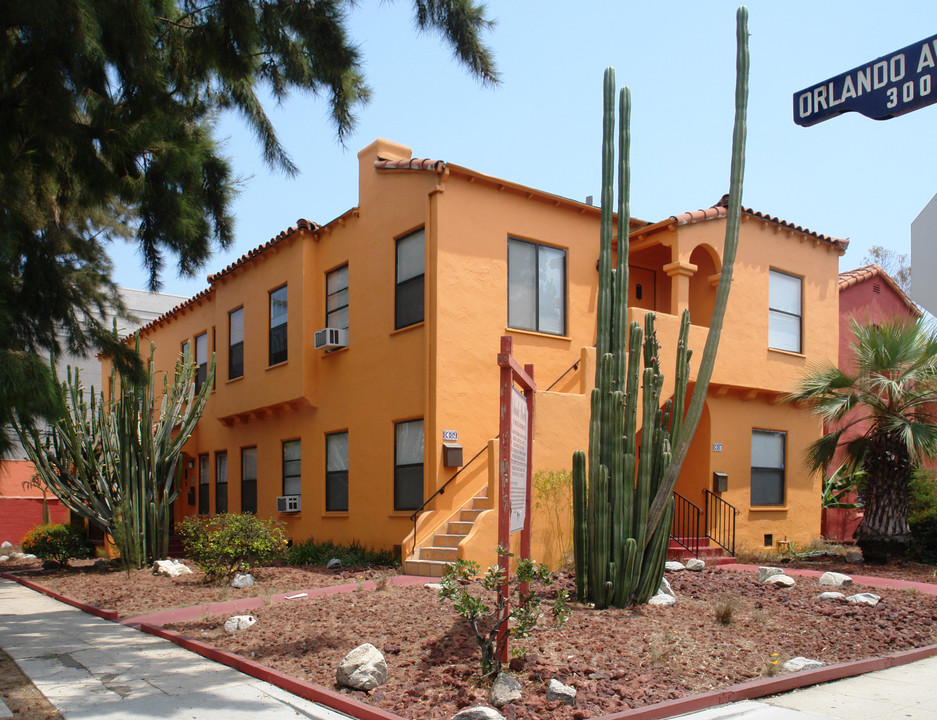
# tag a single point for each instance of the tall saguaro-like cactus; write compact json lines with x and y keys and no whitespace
{"x":623,"y":491}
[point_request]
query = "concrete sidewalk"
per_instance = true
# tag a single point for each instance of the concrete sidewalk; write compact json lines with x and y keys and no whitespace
{"x":93,"y":668}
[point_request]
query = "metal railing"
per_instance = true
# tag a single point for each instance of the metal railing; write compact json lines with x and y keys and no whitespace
{"x":720,"y":521}
{"x":687,"y":519}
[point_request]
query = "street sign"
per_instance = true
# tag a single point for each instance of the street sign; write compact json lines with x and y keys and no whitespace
{"x":888,"y":86}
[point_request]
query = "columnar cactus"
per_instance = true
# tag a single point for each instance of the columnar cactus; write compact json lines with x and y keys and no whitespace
{"x":623,"y":495}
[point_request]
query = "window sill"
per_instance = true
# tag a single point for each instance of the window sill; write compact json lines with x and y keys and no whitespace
{"x":534,"y":333}
{"x":768,"y":508}
{"x":401,"y":513}
{"x":335,"y":514}
{"x":789,"y":353}
{"x":335,"y":351}
{"x":414,"y":326}
{"x":234,"y":380}
{"x":278,"y":365}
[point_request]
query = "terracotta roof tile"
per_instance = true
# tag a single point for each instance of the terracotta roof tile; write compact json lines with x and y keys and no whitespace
{"x":719,"y":210}
{"x":850,"y":278}
{"x":411,"y":164}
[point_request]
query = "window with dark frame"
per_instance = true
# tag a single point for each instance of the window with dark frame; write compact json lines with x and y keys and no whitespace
{"x":336,"y":298}
{"x":221,"y":482}
{"x":278,"y":315}
{"x":336,"y":472}
{"x":292,"y":467}
{"x":768,"y":448}
{"x":785,"y":311}
{"x":410,"y":269}
{"x":236,"y":343}
{"x":408,"y":465}
{"x":249,"y":480}
{"x":201,"y":360}
{"x":203,"y":484}
{"x":536,"y":287}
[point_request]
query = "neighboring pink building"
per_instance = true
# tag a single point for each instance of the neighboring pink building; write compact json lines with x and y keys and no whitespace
{"x":21,"y":506}
{"x":866,"y":295}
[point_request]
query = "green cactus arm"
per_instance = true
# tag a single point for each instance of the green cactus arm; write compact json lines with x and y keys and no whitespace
{"x":733,"y":221}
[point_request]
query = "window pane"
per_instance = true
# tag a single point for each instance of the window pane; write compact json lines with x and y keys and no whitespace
{"x":522,"y":285}
{"x":783,"y":331}
{"x":337,"y":319}
{"x":278,"y":307}
{"x":767,"y":449}
{"x":409,"y":443}
{"x":552,"y":290}
{"x":221,"y":482}
{"x":410,"y":257}
{"x":767,"y":487}
{"x":249,"y":480}
{"x":784,"y":292}
{"x":292,"y":471}
{"x":236,"y":361}
{"x":409,"y":303}
{"x":201,"y":349}
{"x":221,"y":498}
{"x":236,"y":326}
{"x":337,"y":280}
{"x":337,"y":300}
{"x":278,"y":352}
{"x":408,"y":487}
{"x":336,"y":451}
{"x":336,"y":492}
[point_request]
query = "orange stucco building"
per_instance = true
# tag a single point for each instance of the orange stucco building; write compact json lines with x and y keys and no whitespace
{"x":418,"y":282}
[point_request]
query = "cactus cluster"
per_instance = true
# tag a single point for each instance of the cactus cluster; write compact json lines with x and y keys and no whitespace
{"x":623,"y":495}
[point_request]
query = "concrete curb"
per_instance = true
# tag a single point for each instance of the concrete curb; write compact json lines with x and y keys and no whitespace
{"x":84,"y":607}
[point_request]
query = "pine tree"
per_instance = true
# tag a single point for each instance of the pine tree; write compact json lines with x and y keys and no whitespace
{"x":107,"y":111}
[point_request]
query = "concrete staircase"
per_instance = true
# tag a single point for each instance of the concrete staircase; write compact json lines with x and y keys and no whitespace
{"x":709,"y":551}
{"x":432,"y":556}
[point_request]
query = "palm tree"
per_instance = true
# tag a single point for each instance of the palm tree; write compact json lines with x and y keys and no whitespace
{"x":881,"y":417}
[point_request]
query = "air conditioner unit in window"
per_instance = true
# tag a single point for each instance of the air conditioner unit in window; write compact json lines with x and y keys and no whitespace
{"x":288,"y":503}
{"x":331,"y":338}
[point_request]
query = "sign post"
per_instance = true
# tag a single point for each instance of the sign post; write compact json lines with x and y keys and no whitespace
{"x":886,"y":87}
{"x":514,"y":476}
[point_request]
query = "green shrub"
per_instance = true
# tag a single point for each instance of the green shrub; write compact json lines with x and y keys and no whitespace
{"x":56,"y":542}
{"x":923,"y":518}
{"x":225,"y":544}
{"x":310,"y":552}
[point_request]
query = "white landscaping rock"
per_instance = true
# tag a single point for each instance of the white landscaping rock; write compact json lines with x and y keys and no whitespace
{"x":780,"y":581}
{"x":558,"y":691}
{"x":665,"y":588}
{"x":433,"y":586}
{"x":835,"y":579}
{"x":170,"y":568}
{"x":663,"y":600}
{"x":504,"y":690}
{"x":4,"y":558}
{"x":242,"y":581}
{"x":333,"y":564}
{"x":765,"y":572}
{"x":831,"y":596}
{"x":239,"y":622}
{"x":801,"y":663}
{"x":363,"y":668}
{"x":479,"y":712}
{"x":870,"y":599}
{"x":695,"y":564}
{"x":674,"y":566}
{"x":6,"y":545}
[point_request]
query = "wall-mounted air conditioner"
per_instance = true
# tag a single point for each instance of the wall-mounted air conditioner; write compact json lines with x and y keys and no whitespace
{"x":331,"y":338}
{"x":288,"y":503}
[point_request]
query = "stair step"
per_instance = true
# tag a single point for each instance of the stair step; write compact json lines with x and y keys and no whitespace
{"x":459,"y":527}
{"x":447,"y":540}
{"x":468,"y":515}
{"x":480,"y":503}
{"x":425,"y":568}
{"x":446,"y":554}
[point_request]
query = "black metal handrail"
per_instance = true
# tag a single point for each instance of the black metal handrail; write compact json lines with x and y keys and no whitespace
{"x":568,"y":370}
{"x":685,"y":530}
{"x":720,"y":521}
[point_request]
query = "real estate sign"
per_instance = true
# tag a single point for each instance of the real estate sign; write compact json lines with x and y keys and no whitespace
{"x":884,"y":88}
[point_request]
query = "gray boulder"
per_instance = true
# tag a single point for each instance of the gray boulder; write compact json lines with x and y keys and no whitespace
{"x":170,"y":568}
{"x":831,"y":596}
{"x":4,"y":558}
{"x":558,"y":691}
{"x":835,"y":579}
{"x":780,"y":581}
{"x":665,"y":588}
{"x":242,"y":581}
{"x":663,"y":600}
{"x":674,"y":566}
{"x":333,"y":564}
{"x":239,"y":622}
{"x":6,"y":545}
{"x":801,"y":663}
{"x":479,"y":712}
{"x":433,"y":586}
{"x":695,"y":564}
{"x":504,"y":690}
{"x":363,"y":668}
{"x":869,"y":599}
{"x":765,"y":572}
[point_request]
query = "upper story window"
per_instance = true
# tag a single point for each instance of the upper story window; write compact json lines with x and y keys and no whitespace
{"x":408,"y":307}
{"x":785,"y":311}
{"x":768,"y":467}
{"x":336,"y":298}
{"x":292,"y":466}
{"x":536,"y":287}
{"x":278,"y":326}
{"x":235,"y":343}
{"x":201,"y":360}
{"x":185,"y":348}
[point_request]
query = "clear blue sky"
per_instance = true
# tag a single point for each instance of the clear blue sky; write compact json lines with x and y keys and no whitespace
{"x":849,"y":177}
